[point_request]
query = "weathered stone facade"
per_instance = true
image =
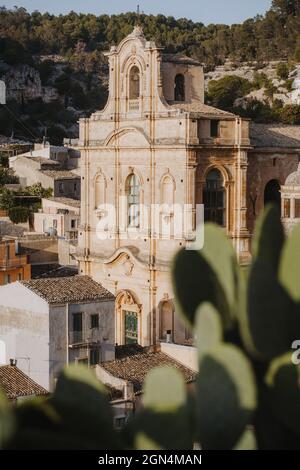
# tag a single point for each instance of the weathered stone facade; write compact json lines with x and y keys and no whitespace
{"x":156,"y":142}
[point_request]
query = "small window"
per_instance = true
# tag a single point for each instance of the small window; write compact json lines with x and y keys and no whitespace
{"x":95,"y":321}
{"x":287,"y":208}
{"x":297,"y":208}
{"x":54,"y":223}
{"x":94,"y":357}
{"x":73,"y":223}
{"x":214,"y":128}
{"x":179,"y":94}
{"x":133,"y":201}
{"x":7,"y":250}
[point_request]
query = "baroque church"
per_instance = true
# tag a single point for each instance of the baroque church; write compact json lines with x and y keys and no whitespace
{"x":157,"y":146}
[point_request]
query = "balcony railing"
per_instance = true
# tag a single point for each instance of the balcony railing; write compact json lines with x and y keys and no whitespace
{"x":85,"y":336}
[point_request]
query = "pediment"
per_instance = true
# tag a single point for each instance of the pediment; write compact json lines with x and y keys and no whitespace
{"x":131,"y":138}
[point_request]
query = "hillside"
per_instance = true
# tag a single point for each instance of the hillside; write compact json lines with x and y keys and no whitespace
{"x":55,"y":70}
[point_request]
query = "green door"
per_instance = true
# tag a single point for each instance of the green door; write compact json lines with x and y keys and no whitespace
{"x":131,"y":328}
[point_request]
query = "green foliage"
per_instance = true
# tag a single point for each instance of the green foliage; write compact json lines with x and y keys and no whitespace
{"x":282,"y":71}
{"x":7,"y":176}
{"x":290,"y":114}
{"x":223,"y":93}
{"x":19,"y":214}
{"x":38,"y":191}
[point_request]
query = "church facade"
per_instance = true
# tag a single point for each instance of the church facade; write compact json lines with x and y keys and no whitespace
{"x":156,"y":148}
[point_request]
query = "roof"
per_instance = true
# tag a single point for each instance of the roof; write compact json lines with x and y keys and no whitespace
{"x":275,"y":136}
{"x":202,"y":109}
{"x":68,"y":289}
{"x":58,"y":271}
{"x":60,"y":174}
{"x":43,"y":160}
{"x":136,"y":366}
{"x":16,"y":384}
{"x":180,"y":59}
{"x":65,"y":200}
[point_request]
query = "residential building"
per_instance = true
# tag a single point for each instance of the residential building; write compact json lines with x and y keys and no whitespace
{"x":13,"y":266}
{"x":46,"y":324}
{"x":58,"y":214}
{"x":125,"y":377}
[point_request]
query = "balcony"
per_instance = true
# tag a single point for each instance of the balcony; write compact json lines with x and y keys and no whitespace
{"x":11,"y":263}
{"x":87,"y":337}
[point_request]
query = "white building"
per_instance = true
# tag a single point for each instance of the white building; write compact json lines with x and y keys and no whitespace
{"x":59,"y":215}
{"x":48,"y":323}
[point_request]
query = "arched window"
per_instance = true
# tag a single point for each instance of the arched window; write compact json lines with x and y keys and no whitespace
{"x":133,"y":200}
{"x":179,"y":94}
{"x":167,"y":190}
{"x":214,"y":198}
{"x":272,"y":193}
{"x":134,"y":83}
{"x":100,"y":189}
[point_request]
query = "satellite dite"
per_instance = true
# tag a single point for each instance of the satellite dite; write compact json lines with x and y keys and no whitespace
{"x":2,"y":92}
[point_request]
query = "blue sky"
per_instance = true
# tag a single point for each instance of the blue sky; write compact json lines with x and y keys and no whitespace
{"x":205,"y":11}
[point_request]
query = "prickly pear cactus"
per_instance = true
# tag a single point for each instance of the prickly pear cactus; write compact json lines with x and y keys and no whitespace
{"x":247,"y":392}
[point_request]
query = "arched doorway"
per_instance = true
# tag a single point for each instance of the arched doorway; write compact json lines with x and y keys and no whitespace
{"x":272,"y":193}
{"x":214,"y":198}
{"x":166,"y":310}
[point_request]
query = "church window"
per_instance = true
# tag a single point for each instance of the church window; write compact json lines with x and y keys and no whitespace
{"x":179,"y":94}
{"x":214,"y":198}
{"x":134,"y":83}
{"x":133,"y":200}
{"x":99,"y":191}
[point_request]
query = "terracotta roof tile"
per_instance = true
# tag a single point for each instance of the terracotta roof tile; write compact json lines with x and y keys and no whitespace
{"x":16,"y":384}
{"x":68,"y":289}
{"x":135,"y":368}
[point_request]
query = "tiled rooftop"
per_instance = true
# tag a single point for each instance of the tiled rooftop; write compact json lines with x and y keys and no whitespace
{"x":275,"y":135}
{"x":136,"y":366}
{"x":180,"y":59}
{"x":201,"y":108}
{"x":16,"y":384}
{"x":60,"y":174}
{"x":68,"y":289}
{"x":65,"y":200}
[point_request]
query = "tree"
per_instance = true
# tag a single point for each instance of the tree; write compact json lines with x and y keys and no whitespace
{"x":224,"y":92}
{"x":286,"y":7}
{"x":290,"y":114}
